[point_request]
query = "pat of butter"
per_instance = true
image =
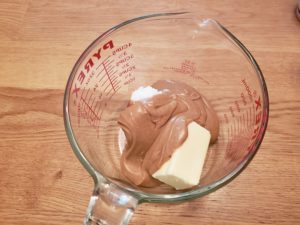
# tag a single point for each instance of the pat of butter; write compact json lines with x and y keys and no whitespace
{"x":184,"y":168}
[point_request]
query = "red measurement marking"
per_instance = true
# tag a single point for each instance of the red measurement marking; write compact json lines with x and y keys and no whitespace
{"x":112,"y":74}
{"x":109,"y":70}
{"x":82,"y":92}
{"x":76,"y":90}
{"x":101,"y":79}
{"x":243,"y":99}
{"x":247,"y":88}
{"x":189,"y":68}
{"x":90,"y":108}
{"x":241,"y":124}
{"x":106,"y":87}
{"x":248,"y":128}
{"x":122,"y":48}
{"x":102,"y":105}
{"x":86,"y":94}
{"x":243,"y":118}
{"x":226,"y":118}
{"x":91,"y":62}
{"x":250,"y":116}
{"x":129,"y":81}
{"x":117,"y":88}
{"x":117,"y":83}
{"x":97,"y":125}
{"x":253,"y":109}
{"x":111,"y":96}
{"x":107,"y":74}
{"x":106,"y":58}
{"x":97,"y":109}
{"x":231,"y":130}
{"x":104,"y":61}
{"x":108,"y":63}
{"x":98,"y":67}
{"x":100,"y":72}
{"x":114,"y":79}
{"x":104,"y":83}
{"x":228,"y":135}
{"x":237,"y":105}
{"x":240,"y":127}
{"x":101,"y":112}
{"x":93,"y":102}
{"x":90,"y":98}
{"x":235,"y":127}
{"x":231,"y":111}
{"x":110,"y":90}
{"x":247,"y":118}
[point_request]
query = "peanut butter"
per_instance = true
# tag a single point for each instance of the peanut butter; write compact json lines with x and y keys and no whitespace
{"x":156,"y":127}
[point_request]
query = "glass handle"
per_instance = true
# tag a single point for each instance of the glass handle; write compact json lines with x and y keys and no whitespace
{"x":109,"y":205}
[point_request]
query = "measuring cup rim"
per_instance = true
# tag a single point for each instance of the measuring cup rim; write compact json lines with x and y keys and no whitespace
{"x":150,"y":197}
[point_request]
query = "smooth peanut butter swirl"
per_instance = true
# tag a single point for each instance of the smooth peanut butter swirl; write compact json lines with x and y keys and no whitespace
{"x":156,"y":127}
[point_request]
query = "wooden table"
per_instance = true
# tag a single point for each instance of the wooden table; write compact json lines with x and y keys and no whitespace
{"x":42,"y":182}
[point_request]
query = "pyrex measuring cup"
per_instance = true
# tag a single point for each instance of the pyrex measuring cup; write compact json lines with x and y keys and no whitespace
{"x":138,"y":52}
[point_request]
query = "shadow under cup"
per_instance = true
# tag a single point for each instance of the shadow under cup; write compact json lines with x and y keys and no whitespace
{"x":200,"y":53}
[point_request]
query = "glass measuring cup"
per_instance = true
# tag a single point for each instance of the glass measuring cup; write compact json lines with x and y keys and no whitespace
{"x":138,"y":52}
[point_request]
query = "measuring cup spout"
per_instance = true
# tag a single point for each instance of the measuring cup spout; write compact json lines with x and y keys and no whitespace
{"x":109,"y":205}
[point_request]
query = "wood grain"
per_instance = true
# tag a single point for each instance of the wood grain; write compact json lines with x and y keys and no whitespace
{"x":42,"y":182}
